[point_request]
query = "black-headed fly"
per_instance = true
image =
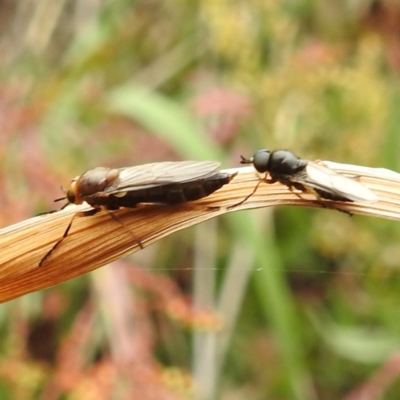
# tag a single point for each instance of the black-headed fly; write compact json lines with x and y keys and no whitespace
{"x":160,"y":183}
{"x":308,"y":176}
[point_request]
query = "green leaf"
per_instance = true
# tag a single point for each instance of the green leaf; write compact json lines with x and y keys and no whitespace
{"x":165,"y":118}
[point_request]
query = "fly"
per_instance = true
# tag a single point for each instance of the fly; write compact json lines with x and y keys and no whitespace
{"x":160,"y":183}
{"x":285,"y":167}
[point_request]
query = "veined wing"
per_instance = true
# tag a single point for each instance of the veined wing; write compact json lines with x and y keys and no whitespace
{"x":319,"y":177}
{"x":162,"y":173}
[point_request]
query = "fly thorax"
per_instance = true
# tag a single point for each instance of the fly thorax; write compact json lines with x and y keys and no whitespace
{"x":96,"y":180}
{"x":284,"y":162}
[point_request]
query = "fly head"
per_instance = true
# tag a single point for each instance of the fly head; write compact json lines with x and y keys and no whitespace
{"x":260,"y":160}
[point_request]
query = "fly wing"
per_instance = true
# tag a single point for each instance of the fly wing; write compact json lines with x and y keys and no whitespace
{"x":163,"y":173}
{"x":324,"y":179}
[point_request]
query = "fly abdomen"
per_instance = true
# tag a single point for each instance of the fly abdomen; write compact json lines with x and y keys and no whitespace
{"x":172,"y":193}
{"x":186,"y":191}
{"x":331,"y":196}
{"x":197,"y":189}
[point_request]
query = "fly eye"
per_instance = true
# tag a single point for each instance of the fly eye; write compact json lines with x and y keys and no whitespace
{"x":71,"y":196}
{"x":261,"y":160}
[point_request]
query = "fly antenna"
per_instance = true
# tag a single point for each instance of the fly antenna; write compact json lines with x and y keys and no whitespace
{"x":246,"y":160}
{"x":62,"y":198}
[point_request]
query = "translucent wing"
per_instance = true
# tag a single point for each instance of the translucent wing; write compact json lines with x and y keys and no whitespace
{"x":324,"y":179}
{"x":163,"y":173}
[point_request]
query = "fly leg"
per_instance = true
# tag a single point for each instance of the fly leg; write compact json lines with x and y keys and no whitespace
{"x":114,"y":217}
{"x":265,"y":179}
{"x":304,"y":190}
{"x":80,"y":214}
{"x":331,"y":205}
{"x":318,"y":200}
{"x":246,"y":198}
{"x":53,"y":211}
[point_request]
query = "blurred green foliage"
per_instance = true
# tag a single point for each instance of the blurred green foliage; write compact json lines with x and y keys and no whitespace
{"x":121,"y":83}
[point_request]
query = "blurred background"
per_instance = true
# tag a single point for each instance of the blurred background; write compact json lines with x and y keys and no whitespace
{"x":283,"y":303}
